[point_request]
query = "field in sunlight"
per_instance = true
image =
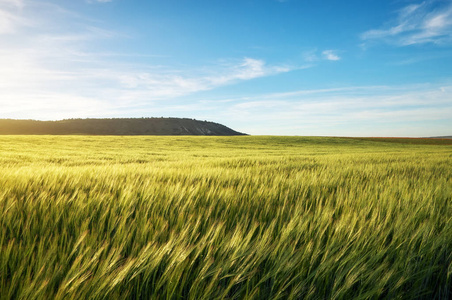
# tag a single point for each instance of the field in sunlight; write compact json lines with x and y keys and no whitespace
{"x":224,"y":218}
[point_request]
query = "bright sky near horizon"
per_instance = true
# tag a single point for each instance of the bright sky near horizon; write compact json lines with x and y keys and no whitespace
{"x":276,"y":67}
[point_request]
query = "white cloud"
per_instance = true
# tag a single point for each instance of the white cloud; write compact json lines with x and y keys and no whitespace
{"x":416,"y":24}
{"x":310,"y":56}
{"x":12,"y":3}
{"x":149,"y":85}
{"x":7,"y":22}
{"x":50,"y":105}
{"x":246,"y":69}
{"x":55,"y":62}
{"x":314,"y":55}
{"x":330,"y":55}
{"x":98,"y":1}
{"x":10,"y":16}
{"x":350,"y":111}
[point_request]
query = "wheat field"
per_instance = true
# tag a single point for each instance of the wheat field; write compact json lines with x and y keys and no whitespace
{"x":98,"y":217}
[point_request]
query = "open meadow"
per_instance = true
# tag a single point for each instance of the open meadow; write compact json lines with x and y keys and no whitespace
{"x":146,"y":217}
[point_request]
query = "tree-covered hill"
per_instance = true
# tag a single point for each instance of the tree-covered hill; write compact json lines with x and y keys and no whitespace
{"x":133,"y":126}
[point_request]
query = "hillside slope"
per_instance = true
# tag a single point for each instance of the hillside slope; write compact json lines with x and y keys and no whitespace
{"x":141,"y":126}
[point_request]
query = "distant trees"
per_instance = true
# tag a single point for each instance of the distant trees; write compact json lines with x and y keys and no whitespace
{"x":116,"y":126}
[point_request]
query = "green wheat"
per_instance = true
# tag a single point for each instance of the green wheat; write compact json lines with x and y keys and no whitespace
{"x":224,"y":218}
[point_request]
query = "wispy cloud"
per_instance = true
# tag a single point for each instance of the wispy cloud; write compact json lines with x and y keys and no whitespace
{"x":351,"y":111}
{"x":426,"y":22}
{"x":51,"y":67}
{"x":330,"y":55}
{"x":166,"y":83}
{"x":99,"y":1}
{"x":10,"y":18}
{"x":314,"y":55}
{"x":246,"y":69}
{"x":14,"y":3}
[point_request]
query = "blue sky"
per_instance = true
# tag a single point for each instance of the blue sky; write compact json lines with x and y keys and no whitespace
{"x":287,"y":67}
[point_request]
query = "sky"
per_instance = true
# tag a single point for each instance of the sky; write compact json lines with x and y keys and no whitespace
{"x":263,"y":67}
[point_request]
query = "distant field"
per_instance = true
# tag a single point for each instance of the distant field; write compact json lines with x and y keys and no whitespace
{"x":419,"y":141}
{"x":242,"y":217}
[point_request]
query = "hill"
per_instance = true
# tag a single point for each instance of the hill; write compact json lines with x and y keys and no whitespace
{"x":123,"y":126}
